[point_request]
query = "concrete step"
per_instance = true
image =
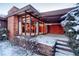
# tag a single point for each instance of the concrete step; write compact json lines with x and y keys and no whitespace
{"x":65,"y":48}
{"x":59,"y":54}
{"x":61,"y":42}
{"x":64,"y":52}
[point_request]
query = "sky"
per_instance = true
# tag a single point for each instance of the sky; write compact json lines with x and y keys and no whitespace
{"x":41,"y":7}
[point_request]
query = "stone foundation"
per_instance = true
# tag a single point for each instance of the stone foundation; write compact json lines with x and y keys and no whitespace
{"x":46,"y":50}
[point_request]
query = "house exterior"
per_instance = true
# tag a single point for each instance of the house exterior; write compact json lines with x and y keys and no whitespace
{"x":28,"y":21}
{"x":52,"y":20}
{"x":25,"y":21}
{"x":3,"y":22}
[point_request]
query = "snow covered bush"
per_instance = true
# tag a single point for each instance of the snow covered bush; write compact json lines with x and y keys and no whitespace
{"x":70,"y":24}
{"x":3,"y":34}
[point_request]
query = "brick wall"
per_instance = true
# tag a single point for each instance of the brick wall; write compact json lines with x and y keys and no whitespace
{"x":16,"y":25}
{"x":12,"y":26}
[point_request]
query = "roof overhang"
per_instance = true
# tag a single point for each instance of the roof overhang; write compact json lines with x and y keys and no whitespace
{"x":47,"y":17}
{"x":26,"y":10}
{"x":54,"y":16}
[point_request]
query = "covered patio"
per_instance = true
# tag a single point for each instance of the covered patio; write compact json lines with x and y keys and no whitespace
{"x":26,"y":21}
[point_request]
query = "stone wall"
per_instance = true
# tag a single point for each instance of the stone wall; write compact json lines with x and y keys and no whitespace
{"x":38,"y":48}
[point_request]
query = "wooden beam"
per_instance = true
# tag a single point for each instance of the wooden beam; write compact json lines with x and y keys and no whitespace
{"x":33,"y":16}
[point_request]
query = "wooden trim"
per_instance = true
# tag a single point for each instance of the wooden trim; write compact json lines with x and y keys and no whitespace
{"x":52,"y":23}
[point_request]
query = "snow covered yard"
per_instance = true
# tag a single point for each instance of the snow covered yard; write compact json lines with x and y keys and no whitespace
{"x":49,"y":39}
{"x":50,"y":44}
{"x":7,"y":49}
{"x":61,"y":48}
{"x":59,"y":37}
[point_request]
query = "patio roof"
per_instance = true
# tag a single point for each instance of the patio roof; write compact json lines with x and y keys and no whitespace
{"x":56,"y":12}
{"x":28,"y":9}
{"x":47,"y":17}
{"x":54,"y":16}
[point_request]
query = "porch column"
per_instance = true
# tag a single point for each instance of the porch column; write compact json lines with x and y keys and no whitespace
{"x":30,"y":24}
{"x":25,"y":23}
{"x":46,"y":28}
{"x":20,"y":26}
{"x":37,"y":28}
{"x":43,"y":28}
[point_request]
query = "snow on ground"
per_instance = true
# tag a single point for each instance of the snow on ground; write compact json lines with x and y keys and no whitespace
{"x":56,"y":37}
{"x":7,"y":49}
{"x":46,"y":40}
{"x":50,"y":39}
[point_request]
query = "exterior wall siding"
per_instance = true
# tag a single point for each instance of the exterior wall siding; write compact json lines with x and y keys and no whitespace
{"x":55,"y":29}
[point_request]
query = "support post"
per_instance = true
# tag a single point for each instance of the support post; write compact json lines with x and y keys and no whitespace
{"x":37,"y":28}
{"x":25,"y":23}
{"x":34,"y":28}
{"x":46,"y":29}
{"x":20,"y":26}
{"x":30,"y":25}
{"x":43,"y":28}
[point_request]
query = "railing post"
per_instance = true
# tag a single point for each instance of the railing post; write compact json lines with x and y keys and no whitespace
{"x":54,"y":49}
